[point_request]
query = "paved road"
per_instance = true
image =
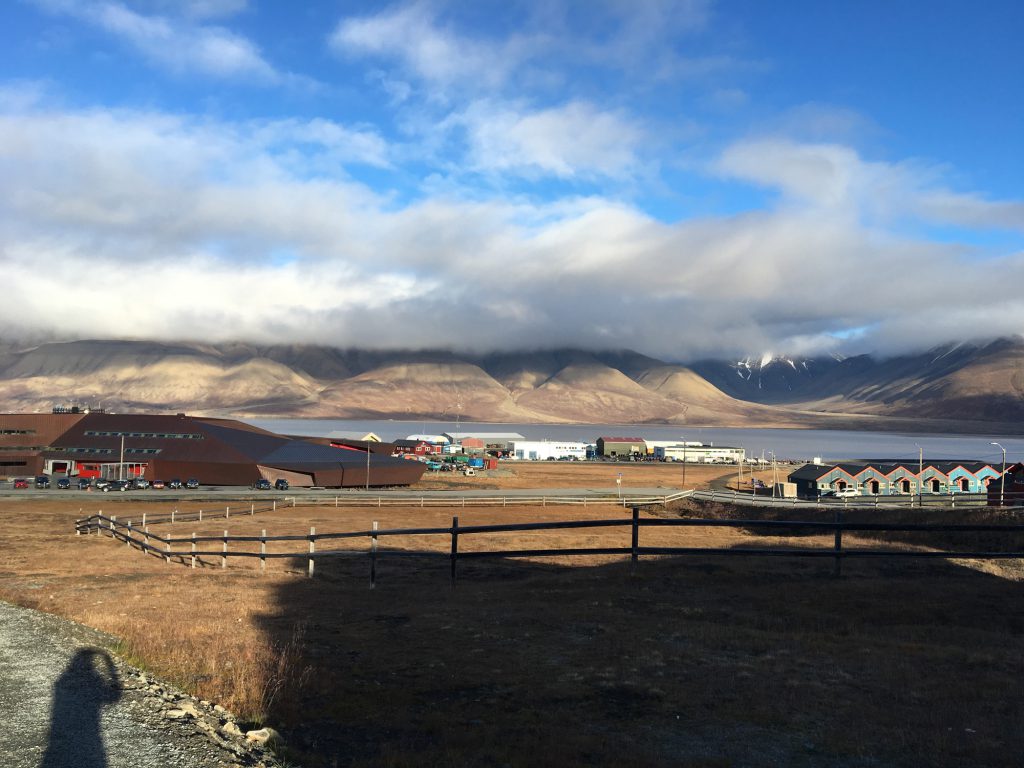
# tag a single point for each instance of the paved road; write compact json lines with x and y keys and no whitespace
{"x":63,"y":704}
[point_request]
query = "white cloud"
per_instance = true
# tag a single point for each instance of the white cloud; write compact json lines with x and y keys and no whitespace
{"x":226,"y":232}
{"x":179,"y":45}
{"x":834,"y":177}
{"x":574,"y":140}
{"x":434,"y":54}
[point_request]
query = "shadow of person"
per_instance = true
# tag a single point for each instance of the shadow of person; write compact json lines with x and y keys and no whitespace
{"x":89,"y":682}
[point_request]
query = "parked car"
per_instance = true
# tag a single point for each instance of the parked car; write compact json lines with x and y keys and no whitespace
{"x":42,"y":481}
{"x":157,"y":484}
{"x":192,"y":483}
{"x":281,"y":484}
{"x":139,"y":484}
{"x":20,"y":482}
{"x":102,"y":483}
{"x":842,"y":493}
{"x":262,"y":484}
{"x":115,"y":485}
{"x":63,"y":484}
{"x":175,"y":483}
{"x":83,"y":483}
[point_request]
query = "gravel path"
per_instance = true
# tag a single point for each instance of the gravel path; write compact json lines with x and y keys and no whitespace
{"x":66,"y":702}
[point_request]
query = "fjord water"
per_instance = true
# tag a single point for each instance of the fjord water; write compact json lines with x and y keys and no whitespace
{"x":796,"y":444}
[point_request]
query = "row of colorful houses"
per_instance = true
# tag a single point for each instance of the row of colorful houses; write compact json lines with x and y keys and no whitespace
{"x":891,"y":478}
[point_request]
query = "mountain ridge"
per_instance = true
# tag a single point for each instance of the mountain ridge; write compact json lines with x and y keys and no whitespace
{"x":958,"y":386}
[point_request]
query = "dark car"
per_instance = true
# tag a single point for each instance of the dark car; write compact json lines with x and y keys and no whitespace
{"x":262,"y":484}
{"x":101,"y":483}
{"x":113,"y":485}
{"x":139,"y":484}
{"x":157,"y":484}
{"x":63,"y":484}
{"x":42,"y":481}
{"x":175,"y":483}
{"x":83,"y":483}
{"x":20,"y":482}
{"x":281,"y":484}
{"x":192,"y":483}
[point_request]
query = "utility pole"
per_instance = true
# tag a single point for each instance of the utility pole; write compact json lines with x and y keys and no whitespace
{"x":684,"y":463}
{"x":775,"y":476}
{"x":120,"y":466}
{"x":1002,"y":476}
{"x":367,"y":465}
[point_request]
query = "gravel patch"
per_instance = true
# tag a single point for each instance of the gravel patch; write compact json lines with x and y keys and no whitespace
{"x":67,"y":702}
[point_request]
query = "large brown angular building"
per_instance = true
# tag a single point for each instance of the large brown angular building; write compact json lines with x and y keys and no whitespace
{"x":213,"y":451}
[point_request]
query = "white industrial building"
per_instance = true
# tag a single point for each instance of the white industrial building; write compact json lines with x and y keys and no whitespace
{"x":489,"y":438}
{"x":547,"y":450}
{"x":700,"y":454}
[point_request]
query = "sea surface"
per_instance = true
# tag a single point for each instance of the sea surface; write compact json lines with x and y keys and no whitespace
{"x":794,"y":444}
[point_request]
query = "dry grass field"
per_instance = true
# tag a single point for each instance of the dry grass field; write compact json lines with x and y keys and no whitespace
{"x":599,"y":475}
{"x":585,"y":661}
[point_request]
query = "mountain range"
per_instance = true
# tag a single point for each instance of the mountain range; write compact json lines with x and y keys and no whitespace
{"x":966,"y":387}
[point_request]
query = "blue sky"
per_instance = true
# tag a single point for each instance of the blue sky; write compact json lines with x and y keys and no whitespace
{"x":685,"y":178}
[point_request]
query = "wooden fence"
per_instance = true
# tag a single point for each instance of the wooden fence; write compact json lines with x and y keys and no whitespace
{"x":198,"y":553}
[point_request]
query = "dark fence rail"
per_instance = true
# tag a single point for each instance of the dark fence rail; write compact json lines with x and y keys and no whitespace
{"x":143,"y":540}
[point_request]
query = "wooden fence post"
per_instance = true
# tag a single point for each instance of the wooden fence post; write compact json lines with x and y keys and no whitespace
{"x":312,"y":549}
{"x":455,"y":549}
{"x":173,"y":511}
{"x":145,"y":537}
{"x":373,"y":556}
{"x":227,"y":513}
{"x":274,"y":506}
{"x":193,"y":549}
{"x":224,"y":557}
{"x":200,"y":515}
{"x":128,"y":538}
{"x":838,"y":546}
{"x":635,"y":554}
{"x":113,"y":526}
{"x":167,"y":550}
{"x":263,"y":551}
{"x":143,"y":519}
{"x":252,"y":509}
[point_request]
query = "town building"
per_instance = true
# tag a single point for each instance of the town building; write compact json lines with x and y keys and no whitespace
{"x":621,"y":447}
{"x":697,"y":453}
{"x":548,"y":450}
{"x":892,"y":478}
{"x":213,"y":451}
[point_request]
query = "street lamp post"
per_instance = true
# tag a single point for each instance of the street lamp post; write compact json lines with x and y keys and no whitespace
{"x":920,"y":473}
{"x":1002,"y":475}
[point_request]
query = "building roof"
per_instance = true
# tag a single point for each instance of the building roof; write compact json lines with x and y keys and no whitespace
{"x":456,"y":436}
{"x":341,"y":434}
{"x":621,"y":439}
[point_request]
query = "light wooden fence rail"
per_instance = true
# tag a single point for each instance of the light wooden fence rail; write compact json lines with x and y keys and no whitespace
{"x":198,"y":553}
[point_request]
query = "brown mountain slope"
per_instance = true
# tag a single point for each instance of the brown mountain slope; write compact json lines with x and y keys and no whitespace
{"x":956,"y":388}
{"x":421,"y":389}
{"x":581,"y":392}
{"x":137,"y":376}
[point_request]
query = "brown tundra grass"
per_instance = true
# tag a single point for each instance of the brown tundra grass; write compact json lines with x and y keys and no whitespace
{"x":710,"y":662}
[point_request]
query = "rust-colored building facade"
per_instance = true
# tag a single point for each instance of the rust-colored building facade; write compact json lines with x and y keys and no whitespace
{"x":213,"y":451}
